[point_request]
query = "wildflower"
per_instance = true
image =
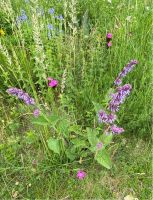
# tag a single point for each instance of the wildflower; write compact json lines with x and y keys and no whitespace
{"x":119,"y":97}
{"x":109,"y":44}
{"x":129,"y":67}
{"x":2,"y":33}
{"x":61,"y":17}
{"x":52,"y":82}
{"x":50,"y":26}
{"x":109,"y":36}
{"x":116,"y":130}
{"x":36,"y":112}
{"x":51,"y":11}
{"x":21,"y":18}
{"x":99,"y":145}
{"x":81,"y":174}
{"x":102,"y":116}
{"x":21,"y":95}
{"x":111,"y":118}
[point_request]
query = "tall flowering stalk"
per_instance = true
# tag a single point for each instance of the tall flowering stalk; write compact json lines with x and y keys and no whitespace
{"x":117,"y":99}
{"x":20,"y":94}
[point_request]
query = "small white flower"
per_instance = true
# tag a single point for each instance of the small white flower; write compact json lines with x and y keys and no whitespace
{"x":109,"y":1}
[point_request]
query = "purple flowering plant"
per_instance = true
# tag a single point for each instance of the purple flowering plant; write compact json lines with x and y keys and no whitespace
{"x":70,"y":140}
{"x":76,"y":143}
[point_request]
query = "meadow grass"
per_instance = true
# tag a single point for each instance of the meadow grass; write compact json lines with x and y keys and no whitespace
{"x":76,"y":55}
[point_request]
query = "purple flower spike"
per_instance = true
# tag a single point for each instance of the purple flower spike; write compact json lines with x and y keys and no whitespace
{"x":129,"y":67}
{"x":102,"y":116}
{"x":119,"y":97}
{"x":118,"y":81}
{"x":111,"y":118}
{"x":81,"y":175}
{"x":116,"y":130}
{"x":21,"y":95}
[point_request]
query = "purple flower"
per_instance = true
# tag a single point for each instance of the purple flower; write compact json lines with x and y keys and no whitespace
{"x":52,"y":82}
{"x":99,"y":145}
{"x":36,"y":112}
{"x":118,"y":81}
{"x":109,"y":36}
{"x":61,"y":17}
{"x":109,"y":44}
{"x":50,"y":26}
{"x":81,"y":174}
{"x":111,"y":118}
{"x":51,"y":11}
{"x":21,"y":95}
{"x":129,"y":67}
{"x":119,"y":97}
{"x":116,"y":130}
{"x":102,"y":116}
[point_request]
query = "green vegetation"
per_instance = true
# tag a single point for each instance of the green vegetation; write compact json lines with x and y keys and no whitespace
{"x":40,"y":156}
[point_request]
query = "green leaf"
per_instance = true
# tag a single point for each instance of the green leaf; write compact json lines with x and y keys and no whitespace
{"x":92,"y":138}
{"x":41,"y":120}
{"x":76,"y":129}
{"x":103,"y":158}
{"x":53,"y":119}
{"x":79,"y":143}
{"x":108,"y":138}
{"x":97,"y":106}
{"x":71,"y":153}
{"x":63,"y":127}
{"x":54,"y":145}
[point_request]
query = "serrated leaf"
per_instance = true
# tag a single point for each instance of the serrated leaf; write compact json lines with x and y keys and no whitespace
{"x":54,"y":145}
{"x":103,"y":158}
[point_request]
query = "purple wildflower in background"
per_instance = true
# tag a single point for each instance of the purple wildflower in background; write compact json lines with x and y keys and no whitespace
{"x":36,"y":112}
{"x":99,"y":145}
{"x":119,"y":97}
{"x":61,"y":17}
{"x":109,"y":44}
{"x":21,"y":95}
{"x":81,"y":174}
{"x":23,"y":17}
{"x":116,"y":130}
{"x":52,"y":82}
{"x":129,"y":67}
{"x":51,"y":11}
{"x":109,"y":36}
{"x":50,"y":26}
